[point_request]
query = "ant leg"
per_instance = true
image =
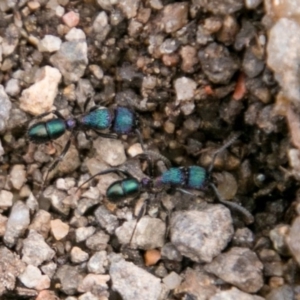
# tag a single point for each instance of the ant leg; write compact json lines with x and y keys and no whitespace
{"x":226,"y":145}
{"x":56,"y":161}
{"x":87,"y":136}
{"x":48,"y":113}
{"x":107,"y":135}
{"x":185,"y":192}
{"x":93,"y":108}
{"x":144,"y":154}
{"x":58,"y":114}
{"x":112,"y":170}
{"x":154,"y":154}
{"x":158,"y":156}
{"x":86,"y":103}
{"x":248,"y":218}
{"x":140,"y":214}
{"x":139,"y":136}
{"x":104,"y":135}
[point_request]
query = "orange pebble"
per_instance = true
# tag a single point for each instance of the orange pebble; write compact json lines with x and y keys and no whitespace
{"x":240,"y":88}
{"x":208,"y":90}
{"x":151,"y":257}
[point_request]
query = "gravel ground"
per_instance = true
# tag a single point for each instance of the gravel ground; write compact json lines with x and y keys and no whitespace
{"x":196,"y":74}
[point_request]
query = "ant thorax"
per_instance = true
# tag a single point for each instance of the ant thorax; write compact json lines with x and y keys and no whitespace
{"x":71,"y":124}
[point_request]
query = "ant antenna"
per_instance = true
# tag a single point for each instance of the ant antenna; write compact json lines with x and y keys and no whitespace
{"x":54,"y":164}
{"x":248,"y":218}
{"x":138,"y":218}
{"x":221,"y":149}
{"x":112,"y":170}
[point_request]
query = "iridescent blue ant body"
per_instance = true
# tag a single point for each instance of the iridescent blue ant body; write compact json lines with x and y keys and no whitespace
{"x":193,"y":177}
{"x":180,"y":178}
{"x":118,"y":121}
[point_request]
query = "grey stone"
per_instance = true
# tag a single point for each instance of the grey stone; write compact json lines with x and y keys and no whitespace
{"x":17,"y":223}
{"x":98,"y":262}
{"x":78,"y":256}
{"x":285,"y":292}
{"x":234,"y":294}
{"x":149,"y":233}
{"x":129,"y":7}
{"x":5,"y":107}
{"x":175,"y":16}
{"x":33,"y":278}
{"x":111,"y":151}
{"x":83,"y":233}
{"x":201,"y":235}
{"x":69,"y":278}
{"x":240,"y":267}
{"x":170,"y":252}
{"x":98,"y":241}
{"x":41,"y":223}
{"x":142,"y":284}
{"x":71,"y":60}
{"x":12,"y":87}
{"x":35,"y":250}
{"x":10,"y":267}
{"x":17,"y":176}
{"x":106,"y":219}
{"x":49,"y":43}
{"x":217,"y":63}
{"x":223,"y":7}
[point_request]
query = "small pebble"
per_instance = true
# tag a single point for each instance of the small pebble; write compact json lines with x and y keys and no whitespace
{"x":78,"y":256}
{"x":69,"y":278}
{"x":71,"y":60}
{"x":75,"y":34}
{"x":184,"y":88}
{"x":235,"y":293}
{"x":17,"y":176}
{"x":129,"y":8}
{"x":201,"y":235}
{"x":71,"y":19}
{"x":149,"y":233}
{"x":135,"y":150}
{"x":143,"y":285}
{"x":111,"y":151}
{"x":97,"y":71}
{"x":172,"y":280}
{"x":252,"y":4}
{"x":98,"y":262}
{"x":39,"y":97}
{"x":175,"y":16}
{"x":49,"y":43}
{"x":59,"y":229}
{"x":151,"y":257}
{"x":83,"y":233}
{"x":98,"y":241}
{"x":6,"y":199}
{"x":93,"y":282}
{"x":35,"y":250}
{"x":12,"y":87}
{"x":227,"y":266}
{"x":17,"y":223}
{"x":88,"y":296}
{"x":41,"y":223}
{"x":33,"y":278}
